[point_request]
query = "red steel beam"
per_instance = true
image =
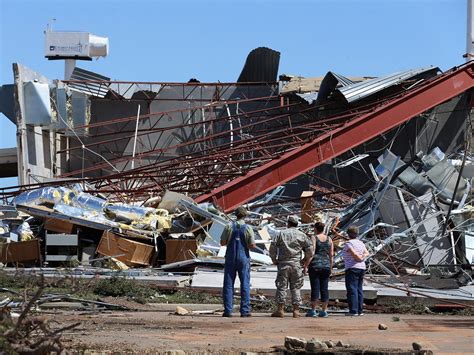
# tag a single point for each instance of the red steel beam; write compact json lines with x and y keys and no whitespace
{"x":335,"y":142}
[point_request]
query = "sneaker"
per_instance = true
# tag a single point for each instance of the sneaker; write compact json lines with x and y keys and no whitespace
{"x":227,"y":315}
{"x":311,"y":313}
{"x":246,"y":315}
{"x":323,"y":314}
{"x":349,"y":314}
{"x":361,"y":314}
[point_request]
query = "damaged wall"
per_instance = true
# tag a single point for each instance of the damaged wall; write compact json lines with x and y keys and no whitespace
{"x":35,"y":141}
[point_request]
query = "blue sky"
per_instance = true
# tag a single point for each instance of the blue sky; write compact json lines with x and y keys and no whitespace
{"x":209,"y":40}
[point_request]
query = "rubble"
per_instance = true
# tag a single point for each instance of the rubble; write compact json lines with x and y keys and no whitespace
{"x":330,"y":343}
{"x":417,"y":346}
{"x":181,"y":311}
{"x":293,"y":343}
{"x":321,"y":148}
{"x":314,"y":345}
{"x":342,"y":344}
{"x":183,"y":235}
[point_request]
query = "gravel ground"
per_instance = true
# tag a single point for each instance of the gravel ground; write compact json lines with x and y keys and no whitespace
{"x":153,"y":331}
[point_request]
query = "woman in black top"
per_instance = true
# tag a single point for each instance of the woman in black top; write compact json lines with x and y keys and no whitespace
{"x":319,"y":269}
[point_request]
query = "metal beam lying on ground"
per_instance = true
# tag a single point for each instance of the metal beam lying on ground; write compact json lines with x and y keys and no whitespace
{"x":335,"y":142}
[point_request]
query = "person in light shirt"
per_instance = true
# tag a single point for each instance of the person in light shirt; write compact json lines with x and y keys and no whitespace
{"x":354,"y":254}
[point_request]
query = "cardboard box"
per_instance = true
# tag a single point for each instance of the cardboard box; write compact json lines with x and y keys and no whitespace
{"x":132,"y":253}
{"x":18,"y":252}
{"x":180,"y":249}
{"x":58,"y":226}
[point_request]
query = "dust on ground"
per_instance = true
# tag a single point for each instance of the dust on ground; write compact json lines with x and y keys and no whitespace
{"x":153,"y":331}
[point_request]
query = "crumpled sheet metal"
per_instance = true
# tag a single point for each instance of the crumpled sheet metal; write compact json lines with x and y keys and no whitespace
{"x":433,"y":158}
{"x":417,"y":183}
{"x":388,"y":161}
{"x":48,"y":195}
{"x":444,"y":176}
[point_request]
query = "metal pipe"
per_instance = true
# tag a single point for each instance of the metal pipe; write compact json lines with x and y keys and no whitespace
{"x":135,"y":140}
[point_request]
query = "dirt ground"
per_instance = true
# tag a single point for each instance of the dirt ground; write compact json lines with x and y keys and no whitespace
{"x":153,"y":331}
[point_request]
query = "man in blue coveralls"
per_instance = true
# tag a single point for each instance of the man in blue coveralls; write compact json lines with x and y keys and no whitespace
{"x":239,"y":238}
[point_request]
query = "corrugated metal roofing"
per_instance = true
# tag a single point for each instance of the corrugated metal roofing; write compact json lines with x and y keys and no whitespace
{"x":331,"y":81}
{"x":93,"y":89}
{"x":342,"y":79}
{"x":261,"y":66}
{"x":366,"y":88}
{"x":309,"y":97}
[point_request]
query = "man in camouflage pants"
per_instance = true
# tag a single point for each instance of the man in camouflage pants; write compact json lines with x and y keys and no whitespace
{"x":285,"y":252}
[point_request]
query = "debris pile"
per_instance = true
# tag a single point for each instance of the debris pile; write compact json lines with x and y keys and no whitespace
{"x":416,"y":221}
{"x":294,"y":345}
{"x":390,"y":155}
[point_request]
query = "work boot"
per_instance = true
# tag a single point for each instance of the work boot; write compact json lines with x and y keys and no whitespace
{"x":280,"y":312}
{"x":296,"y":311}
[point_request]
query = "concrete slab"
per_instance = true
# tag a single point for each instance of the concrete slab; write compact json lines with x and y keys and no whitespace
{"x":264,"y":282}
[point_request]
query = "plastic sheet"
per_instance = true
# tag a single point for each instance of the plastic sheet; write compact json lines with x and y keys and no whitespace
{"x":89,"y":202}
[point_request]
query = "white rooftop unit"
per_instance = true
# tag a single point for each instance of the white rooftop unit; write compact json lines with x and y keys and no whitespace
{"x":75,"y":45}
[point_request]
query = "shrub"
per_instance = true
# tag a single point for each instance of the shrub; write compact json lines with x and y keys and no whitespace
{"x":118,"y":286}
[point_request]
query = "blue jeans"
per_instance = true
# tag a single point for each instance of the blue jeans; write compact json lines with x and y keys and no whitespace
{"x":319,"y":279}
{"x":355,"y":294}
{"x":237,"y":261}
{"x":230,"y":272}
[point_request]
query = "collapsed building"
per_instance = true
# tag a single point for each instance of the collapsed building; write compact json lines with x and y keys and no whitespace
{"x":137,"y":174}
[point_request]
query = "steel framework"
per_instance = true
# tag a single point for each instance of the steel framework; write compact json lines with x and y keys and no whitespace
{"x":341,"y":139}
{"x":229,"y":142}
